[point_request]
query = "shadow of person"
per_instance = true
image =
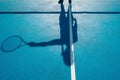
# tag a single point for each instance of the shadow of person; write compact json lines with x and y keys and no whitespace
{"x":64,"y":39}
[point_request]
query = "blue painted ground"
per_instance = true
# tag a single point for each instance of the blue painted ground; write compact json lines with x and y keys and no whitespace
{"x":97,"y":51}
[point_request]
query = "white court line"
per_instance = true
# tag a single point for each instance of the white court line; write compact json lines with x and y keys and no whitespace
{"x":72,"y":67}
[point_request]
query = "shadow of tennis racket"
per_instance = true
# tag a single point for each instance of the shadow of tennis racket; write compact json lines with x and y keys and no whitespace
{"x":12,"y":43}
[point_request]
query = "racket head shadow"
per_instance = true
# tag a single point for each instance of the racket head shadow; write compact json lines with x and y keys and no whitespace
{"x":12,"y":43}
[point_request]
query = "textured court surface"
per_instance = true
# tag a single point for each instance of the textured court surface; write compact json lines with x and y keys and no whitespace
{"x":97,"y":51}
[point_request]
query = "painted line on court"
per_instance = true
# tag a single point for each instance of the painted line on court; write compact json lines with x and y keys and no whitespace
{"x":72,"y":67}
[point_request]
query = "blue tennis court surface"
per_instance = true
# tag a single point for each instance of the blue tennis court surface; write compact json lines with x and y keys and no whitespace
{"x":44,"y":23}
